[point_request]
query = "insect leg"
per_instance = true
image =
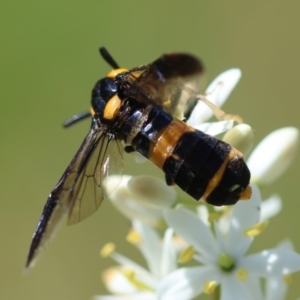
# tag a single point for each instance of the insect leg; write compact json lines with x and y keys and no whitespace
{"x":218,"y":112}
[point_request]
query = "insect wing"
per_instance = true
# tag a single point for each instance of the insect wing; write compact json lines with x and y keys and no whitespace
{"x":59,"y":201}
{"x":169,"y":82}
{"x":106,"y":159}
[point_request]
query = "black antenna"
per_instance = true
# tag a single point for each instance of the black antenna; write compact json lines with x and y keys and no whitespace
{"x":84,"y":115}
{"x":108,"y":58}
{"x":76,"y":118}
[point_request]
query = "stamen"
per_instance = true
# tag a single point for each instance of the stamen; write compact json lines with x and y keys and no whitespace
{"x":242,"y":274}
{"x":186,"y":255}
{"x":209,"y":287}
{"x":226,"y":262}
{"x":255,"y":229}
{"x":107,"y":250}
{"x":133,"y":237}
{"x":130,"y":275}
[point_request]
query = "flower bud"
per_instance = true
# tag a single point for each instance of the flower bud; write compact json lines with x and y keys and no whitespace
{"x":273,"y":155}
{"x":240,"y":137}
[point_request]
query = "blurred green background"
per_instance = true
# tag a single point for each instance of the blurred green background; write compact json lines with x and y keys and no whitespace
{"x":48,"y":64}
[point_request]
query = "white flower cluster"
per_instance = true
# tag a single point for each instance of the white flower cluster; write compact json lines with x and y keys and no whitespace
{"x":217,"y":240}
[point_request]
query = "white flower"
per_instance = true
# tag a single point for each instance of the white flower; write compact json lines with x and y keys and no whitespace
{"x":223,"y":261}
{"x":273,"y":155}
{"x":240,"y":137}
{"x":270,"y":208}
{"x":141,"y":197}
{"x":276,"y":286}
{"x":132,"y":281}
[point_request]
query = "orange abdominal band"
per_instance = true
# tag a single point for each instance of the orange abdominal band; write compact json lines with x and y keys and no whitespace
{"x":214,"y":182}
{"x":166,"y":140}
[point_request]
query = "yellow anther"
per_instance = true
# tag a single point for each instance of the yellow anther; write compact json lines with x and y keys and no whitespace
{"x":288,"y":279}
{"x":108,"y":249}
{"x":242,"y":274}
{"x":209,"y":287}
{"x":130,"y":275}
{"x":133,"y":237}
{"x":186,"y":255}
{"x":214,"y":217}
{"x":255,"y":229}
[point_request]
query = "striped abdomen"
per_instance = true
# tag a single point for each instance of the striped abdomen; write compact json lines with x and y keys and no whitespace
{"x":201,"y":165}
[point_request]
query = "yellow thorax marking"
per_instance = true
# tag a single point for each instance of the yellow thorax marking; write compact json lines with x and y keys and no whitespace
{"x":113,"y":73}
{"x":112,"y":107}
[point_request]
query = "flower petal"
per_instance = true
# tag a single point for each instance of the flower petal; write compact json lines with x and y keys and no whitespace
{"x":141,"y":273}
{"x":217,"y":92}
{"x":186,"y":283}
{"x":111,"y":181}
{"x":276,"y":288}
{"x":244,"y":214}
{"x":192,"y":230}
{"x":253,"y":285}
{"x":271,"y":158}
{"x":215,"y":128}
{"x":137,"y":296}
{"x":151,"y":191}
{"x":168,"y":256}
{"x":286,"y":245}
{"x":203,"y":213}
{"x":272,"y":262}
{"x":129,"y":207}
{"x":240,"y":137}
{"x":116,"y":282}
{"x":150,"y":246}
{"x":233,"y":288}
{"x":220,"y":238}
{"x":139,"y":158}
{"x":270,"y":207}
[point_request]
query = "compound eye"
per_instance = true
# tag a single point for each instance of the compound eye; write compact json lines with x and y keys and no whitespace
{"x":97,"y":105}
{"x":108,"y":89}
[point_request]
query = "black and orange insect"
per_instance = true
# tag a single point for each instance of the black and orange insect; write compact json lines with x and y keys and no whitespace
{"x":137,"y":107}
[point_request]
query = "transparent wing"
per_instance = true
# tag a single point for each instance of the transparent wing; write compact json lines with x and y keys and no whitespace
{"x":59,"y":202}
{"x":105,"y":160}
{"x":75,"y":186}
{"x":170,"y":82}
